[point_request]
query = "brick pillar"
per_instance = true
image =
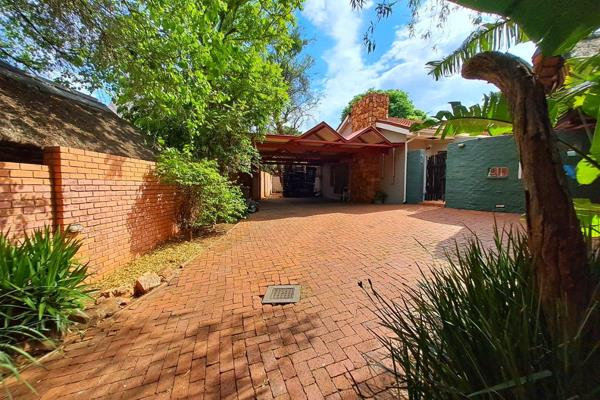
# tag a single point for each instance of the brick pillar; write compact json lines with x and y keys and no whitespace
{"x":365,"y":175}
{"x":369,"y":109}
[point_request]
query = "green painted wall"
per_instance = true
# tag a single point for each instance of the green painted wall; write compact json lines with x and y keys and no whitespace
{"x":467,"y":183}
{"x":415,"y":164}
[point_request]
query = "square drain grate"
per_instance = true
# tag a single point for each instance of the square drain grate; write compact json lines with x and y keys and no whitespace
{"x":282,"y":294}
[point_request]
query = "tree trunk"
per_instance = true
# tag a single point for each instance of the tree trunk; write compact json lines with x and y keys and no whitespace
{"x":555,"y":239}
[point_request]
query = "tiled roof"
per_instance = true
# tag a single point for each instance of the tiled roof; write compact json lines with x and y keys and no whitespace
{"x":403,"y":122}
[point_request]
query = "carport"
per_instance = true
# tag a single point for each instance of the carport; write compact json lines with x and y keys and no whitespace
{"x":343,"y":167}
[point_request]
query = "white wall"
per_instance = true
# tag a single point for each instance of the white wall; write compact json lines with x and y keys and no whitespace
{"x":327,"y":185}
{"x":393,"y":183}
{"x":277,"y":184}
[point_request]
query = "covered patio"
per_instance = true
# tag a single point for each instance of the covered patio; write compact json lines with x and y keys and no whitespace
{"x":346,"y":167}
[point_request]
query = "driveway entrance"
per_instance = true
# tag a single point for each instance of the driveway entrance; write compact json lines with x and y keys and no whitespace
{"x":209,"y":336}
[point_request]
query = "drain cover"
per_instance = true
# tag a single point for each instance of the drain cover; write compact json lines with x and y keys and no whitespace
{"x":282,"y":294}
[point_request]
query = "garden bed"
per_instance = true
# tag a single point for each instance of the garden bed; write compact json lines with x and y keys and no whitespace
{"x":171,"y":255}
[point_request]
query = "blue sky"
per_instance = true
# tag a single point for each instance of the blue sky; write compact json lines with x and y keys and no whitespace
{"x":343,"y":68}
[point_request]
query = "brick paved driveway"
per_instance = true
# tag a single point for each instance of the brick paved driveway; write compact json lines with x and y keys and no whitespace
{"x":208,"y":336}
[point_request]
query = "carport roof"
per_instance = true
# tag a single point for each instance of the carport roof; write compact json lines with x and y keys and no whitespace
{"x":321,"y":144}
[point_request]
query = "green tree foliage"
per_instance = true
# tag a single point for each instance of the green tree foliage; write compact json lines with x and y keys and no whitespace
{"x":401,"y":106}
{"x":56,"y":38}
{"x":188,"y":73}
{"x":207,"y":196}
{"x":302,"y":99}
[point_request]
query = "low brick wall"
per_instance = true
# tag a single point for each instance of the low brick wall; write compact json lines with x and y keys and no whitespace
{"x":122,"y":208}
{"x":25,"y":197}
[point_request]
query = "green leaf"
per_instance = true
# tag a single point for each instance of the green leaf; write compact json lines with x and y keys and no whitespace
{"x":491,"y":117}
{"x":554,"y":25}
{"x":512,"y":383}
{"x":496,"y":36}
{"x":586,"y":172}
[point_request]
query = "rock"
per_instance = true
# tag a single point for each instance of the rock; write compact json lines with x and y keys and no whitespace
{"x":146,"y":283}
{"x":167,"y":274}
{"x":106,"y":308}
{"x":122,"y":291}
{"x":80,"y":317}
{"x":122,"y":301}
{"x":101,"y":299}
{"x":39,"y":346}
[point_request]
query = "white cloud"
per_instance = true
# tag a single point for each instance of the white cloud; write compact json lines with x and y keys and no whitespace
{"x":401,"y":67}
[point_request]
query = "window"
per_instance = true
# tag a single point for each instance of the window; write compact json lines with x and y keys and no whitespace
{"x":497,"y":172}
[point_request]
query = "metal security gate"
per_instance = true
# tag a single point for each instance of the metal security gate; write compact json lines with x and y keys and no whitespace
{"x":435,"y":187}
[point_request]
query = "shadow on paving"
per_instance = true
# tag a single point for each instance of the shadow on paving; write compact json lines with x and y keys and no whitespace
{"x":209,"y":335}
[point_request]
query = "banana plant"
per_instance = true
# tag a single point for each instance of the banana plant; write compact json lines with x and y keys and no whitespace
{"x":581,"y":92}
{"x":490,"y":117}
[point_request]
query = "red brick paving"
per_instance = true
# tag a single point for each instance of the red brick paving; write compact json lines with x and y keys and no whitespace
{"x":207,"y":336}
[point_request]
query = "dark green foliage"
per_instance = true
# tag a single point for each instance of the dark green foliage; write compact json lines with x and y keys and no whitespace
{"x":401,"y":106}
{"x":209,"y":197}
{"x":41,"y":283}
{"x":474,"y":329}
{"x":9,"y":350}
{"x":41,"y":286}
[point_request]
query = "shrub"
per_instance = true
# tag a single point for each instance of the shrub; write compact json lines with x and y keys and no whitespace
{"x":41,"y":283}
{"x":474,"y":329}
{"x":41,"y":286}
{"x":208,"y":196}
{"x":9,"y":350}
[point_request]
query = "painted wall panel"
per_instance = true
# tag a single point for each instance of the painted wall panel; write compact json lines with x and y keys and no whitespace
{"x":415,"y":167}
{"x":392,"y":182}
{"x":467,"y":183}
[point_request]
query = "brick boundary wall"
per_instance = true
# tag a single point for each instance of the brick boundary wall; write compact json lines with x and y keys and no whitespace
{"x":25,"y":198}
{"x":122,"y":208}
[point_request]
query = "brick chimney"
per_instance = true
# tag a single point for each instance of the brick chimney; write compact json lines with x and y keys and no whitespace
{"x":369,"y":109}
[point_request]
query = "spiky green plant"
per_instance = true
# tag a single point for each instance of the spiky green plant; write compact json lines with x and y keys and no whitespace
{"x":42,"y":283}
{"x":473,"y":329}
{"x":9,"y":351}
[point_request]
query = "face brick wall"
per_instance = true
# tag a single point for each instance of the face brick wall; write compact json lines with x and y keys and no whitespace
{"x":25,"y":198}
{"x":369,"y":109}
{"x":120,"y":204}
{"x":365,"y":176}
{"x":122,"y":207}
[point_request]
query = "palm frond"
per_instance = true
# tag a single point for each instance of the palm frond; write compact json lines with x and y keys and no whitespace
{"x":498,"y":35}
{"x":490,"y":117}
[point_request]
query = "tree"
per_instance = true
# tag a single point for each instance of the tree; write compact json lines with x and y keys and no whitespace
{"x":302,"y":99}
{"x":56,"y":38}
{"x":187,"y":73}
{"x":401,"y":106}
{"x":555,"y":238}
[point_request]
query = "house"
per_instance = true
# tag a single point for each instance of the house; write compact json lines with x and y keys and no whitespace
{"x":68,"y":162}
{"x":368,"y":153}
{"x":371,"y":152}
